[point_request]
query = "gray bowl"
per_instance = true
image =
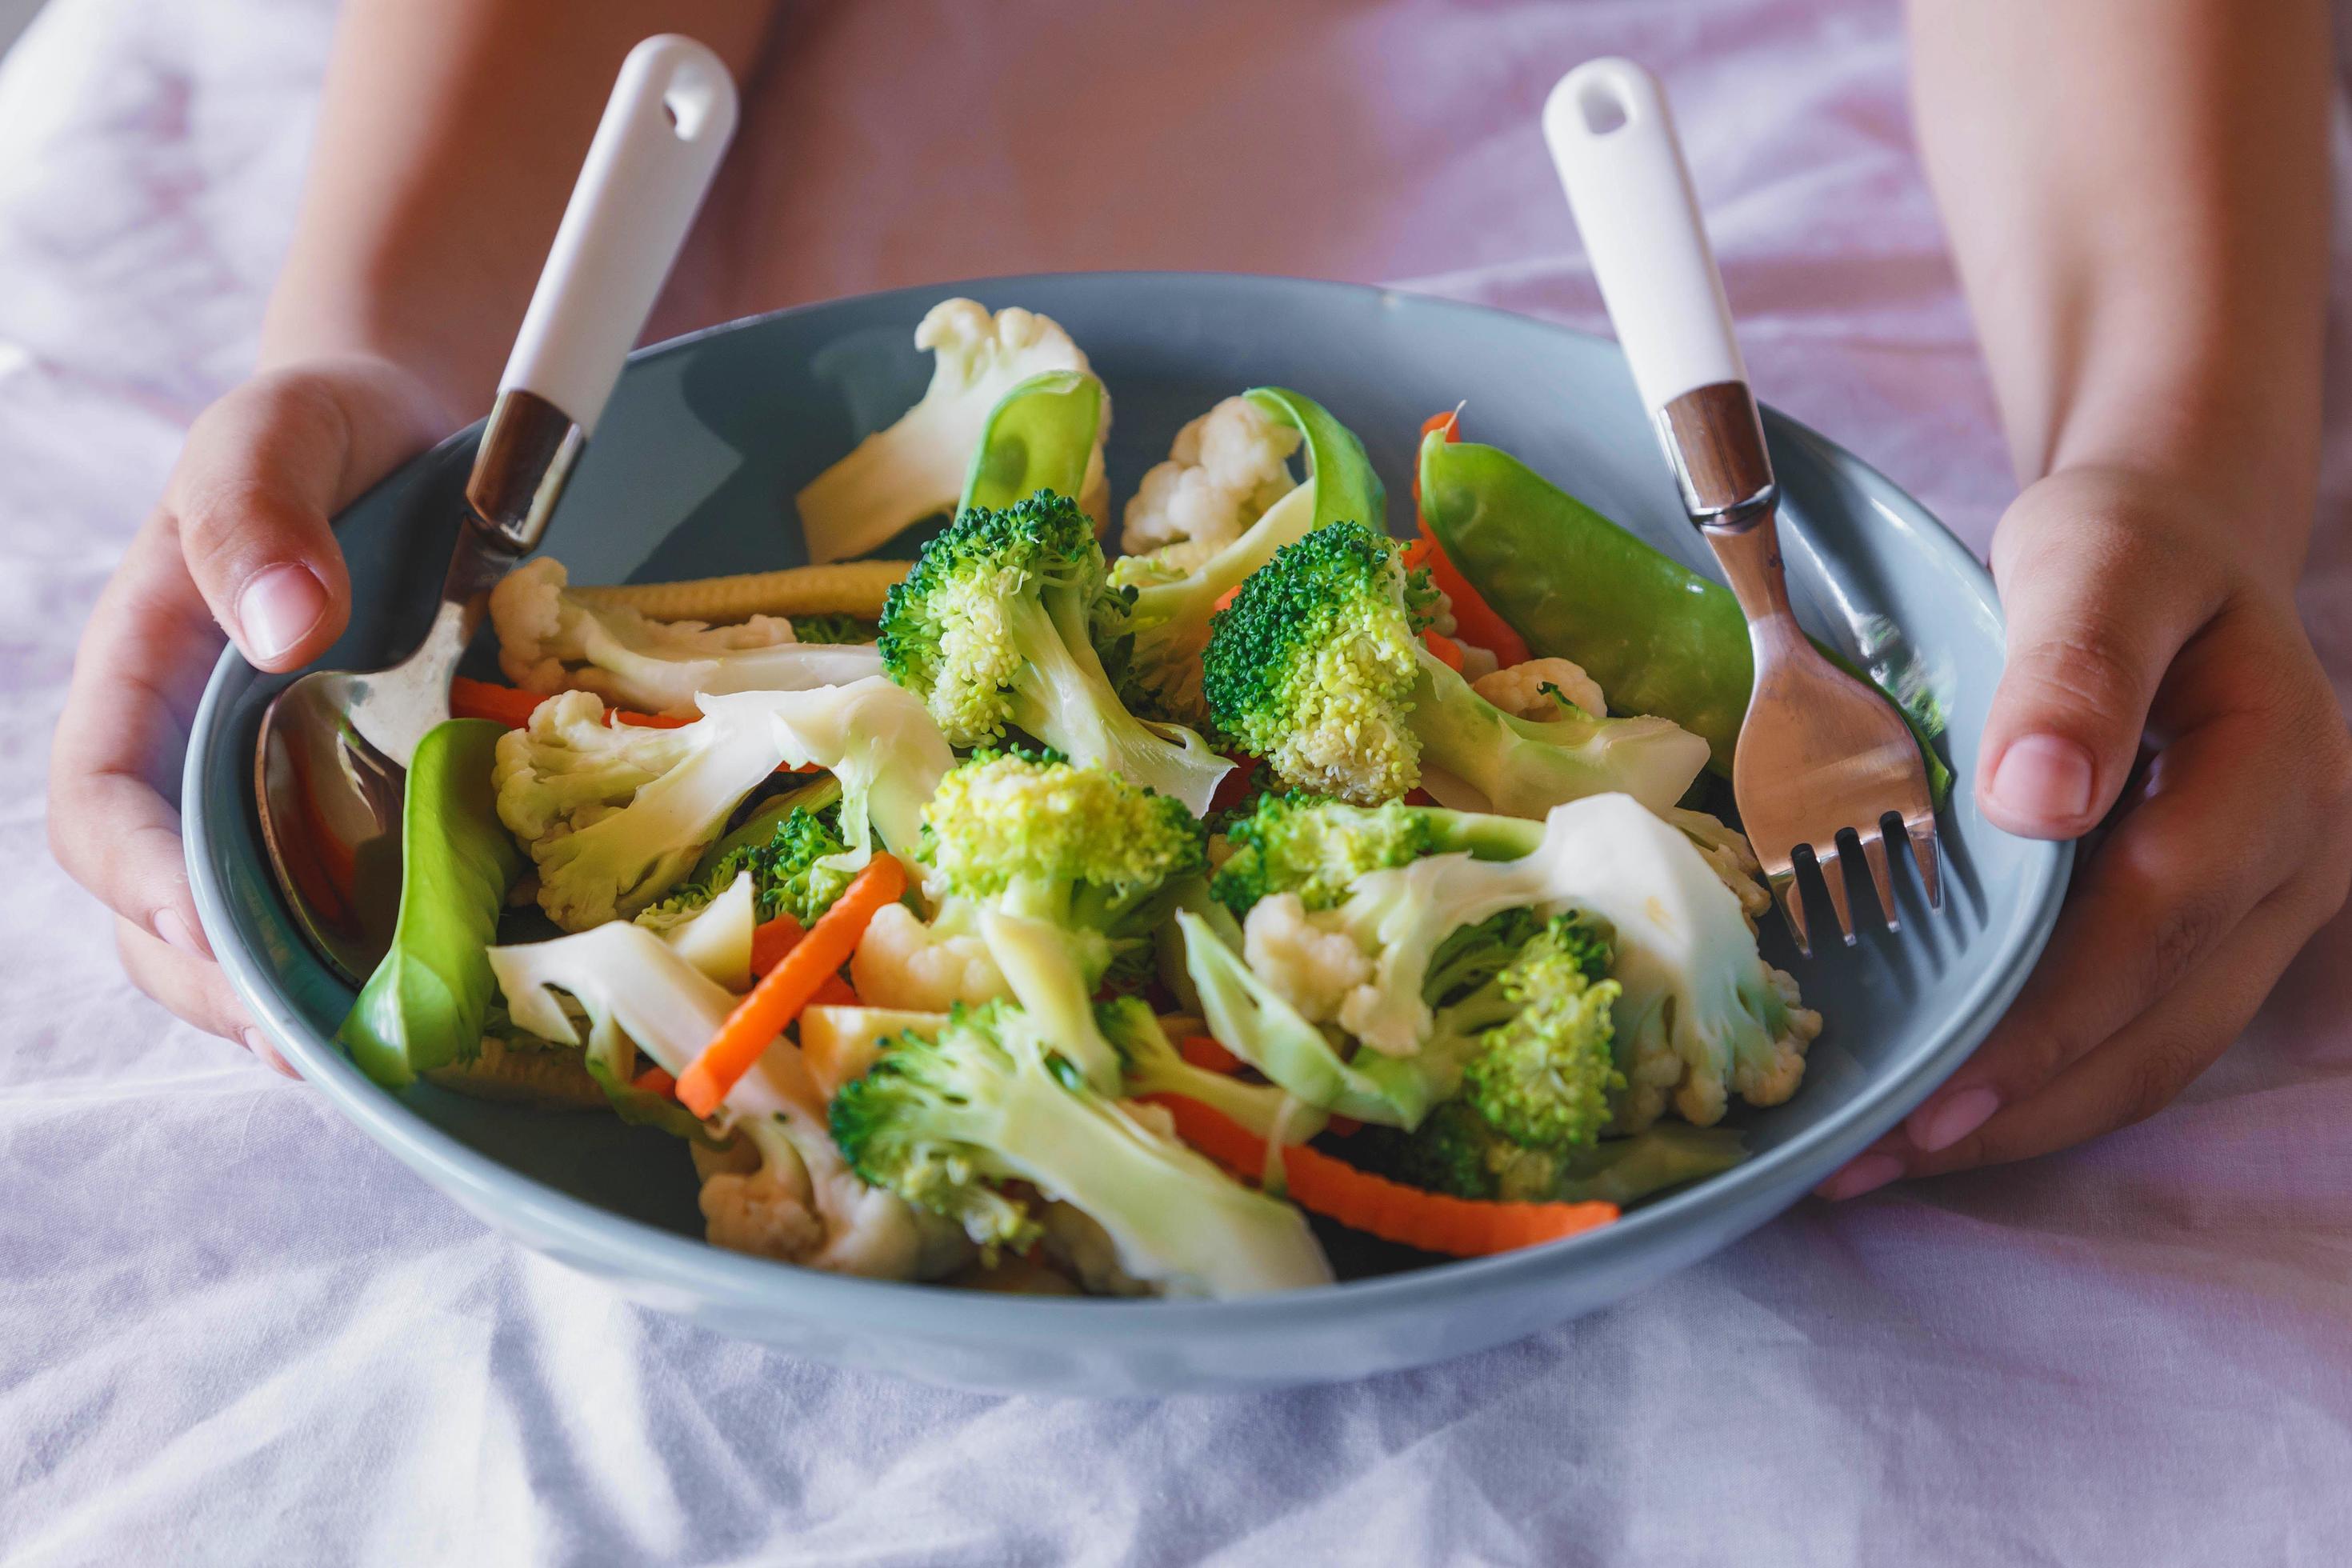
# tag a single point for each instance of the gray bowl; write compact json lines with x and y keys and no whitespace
{"x":692,"y":474}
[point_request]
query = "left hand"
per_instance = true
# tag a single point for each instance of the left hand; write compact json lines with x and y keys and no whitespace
{"x":2133,"y":620}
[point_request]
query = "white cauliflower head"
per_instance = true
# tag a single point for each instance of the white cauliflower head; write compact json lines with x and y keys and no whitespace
{"x":551,"y":640}
{"x":1519,"y":690}
{"x":1224,"y":470}
{"x":1314,"y":970}
{"x":903,"y":964}
{"x":916,"y":469}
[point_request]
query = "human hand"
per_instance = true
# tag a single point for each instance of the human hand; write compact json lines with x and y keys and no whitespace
{"x":240,"y":541}
{"x":2131,"y":619}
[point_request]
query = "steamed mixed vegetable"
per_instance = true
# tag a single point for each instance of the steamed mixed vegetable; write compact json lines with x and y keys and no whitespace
{"x":1026,"y":917}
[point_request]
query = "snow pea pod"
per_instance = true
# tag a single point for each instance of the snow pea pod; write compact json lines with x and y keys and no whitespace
{"x":1039,"y":436}
{"x":1346,"y":487}
{"x":1659,"y":637}
{"x":424,"y":1007}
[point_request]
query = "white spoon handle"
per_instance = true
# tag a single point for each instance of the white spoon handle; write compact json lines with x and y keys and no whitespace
{"x":671,"y":114}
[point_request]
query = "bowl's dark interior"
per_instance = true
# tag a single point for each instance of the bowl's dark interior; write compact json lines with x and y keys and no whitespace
{"x":693,"y":470}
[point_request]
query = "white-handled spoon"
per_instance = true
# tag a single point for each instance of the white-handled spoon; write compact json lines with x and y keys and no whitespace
{"x":331,"y":764}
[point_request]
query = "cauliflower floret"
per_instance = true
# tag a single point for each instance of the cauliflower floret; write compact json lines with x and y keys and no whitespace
{"x":758,"y":1206}
{"x":916,"y":469}
{"x":903,"y":964}
{"x":1519,"y":690}
{"x":549,"y":640}
{"x":1728,"y":850}
{"x":1225,"y":468}
{"x":1312,"y":969}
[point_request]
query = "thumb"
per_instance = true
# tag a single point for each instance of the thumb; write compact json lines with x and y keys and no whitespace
{"x":2092,"y":625}
{"x":264,"y":469}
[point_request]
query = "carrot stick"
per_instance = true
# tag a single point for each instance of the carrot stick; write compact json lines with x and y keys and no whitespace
{"x":655,"y":1080}
{"x":789,"y":986}
{"x":1462,"y":1227}
{"x":1207,"y":1054}
{"x":836,"y":993}
{"x":770,"y":940}
{"x":1448,"y":651}
{"x":470,"y":698}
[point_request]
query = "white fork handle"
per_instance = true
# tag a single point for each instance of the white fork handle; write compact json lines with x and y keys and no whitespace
{"x":671,"y":115}
{"x":1612,"y":140}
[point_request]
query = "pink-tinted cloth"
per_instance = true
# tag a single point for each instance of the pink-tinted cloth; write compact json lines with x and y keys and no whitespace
{"x":232,"y":1331}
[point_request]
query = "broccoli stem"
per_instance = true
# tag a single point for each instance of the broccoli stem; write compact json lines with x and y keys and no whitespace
{"x":1525,"y":768}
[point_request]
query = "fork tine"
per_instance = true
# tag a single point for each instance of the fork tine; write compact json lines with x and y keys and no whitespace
{"x":1792,"y":896}
{"x":1874,"y":855}
{"x":1921,"y":831}
{"x":1834,"y":878}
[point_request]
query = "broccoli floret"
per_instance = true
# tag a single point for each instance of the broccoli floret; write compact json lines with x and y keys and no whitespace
{"x":1222,"y":460}
{"x":1317,"y":847}
{"x":1545,"y":1077}
{"x":1317,"y":668}
{"x":948,"y":1121}
{"x":996,"y":628}
{"x":796,"y":871}
{"x":1077,"y":853}
{"x":1401,"y":968}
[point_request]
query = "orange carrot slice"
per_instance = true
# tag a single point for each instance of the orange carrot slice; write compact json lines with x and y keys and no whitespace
{"x":1448,"y":651}
{"x":770,"y":940}
{"x":655,"y":1080}
{"x":1461,"y":1227}
{"x":789,"y":986}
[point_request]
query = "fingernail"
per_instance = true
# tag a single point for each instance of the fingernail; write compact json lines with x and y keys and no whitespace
{"x":261,"y":1047}
{"x":278,"y":608}
{"x":1865,"y":1175}
{"x":2044,"y":776}
{"x":1944,"y":1123}
{"x":177,"y":931}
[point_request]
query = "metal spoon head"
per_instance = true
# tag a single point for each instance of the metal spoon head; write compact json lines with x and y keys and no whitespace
{"x":330,"y":805}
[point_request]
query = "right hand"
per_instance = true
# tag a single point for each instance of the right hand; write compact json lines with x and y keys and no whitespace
{"x":239,"y":544}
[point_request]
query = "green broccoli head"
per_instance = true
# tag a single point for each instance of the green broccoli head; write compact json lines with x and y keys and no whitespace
{"x":1312,"y":666}
{"x":788,"y":873}
{"x":925,"y":1122}
{"x":1077,"y":847}
{"x":1001,"y":625}
{"x":1314,"y":848}
{"x":1544,"y":1078}
{"x":1318,"y":668}
{"x":947,"y":1122}
{"x":1317,"y":847}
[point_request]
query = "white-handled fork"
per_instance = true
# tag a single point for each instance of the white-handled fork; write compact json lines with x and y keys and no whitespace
{"x":1824,"y":765}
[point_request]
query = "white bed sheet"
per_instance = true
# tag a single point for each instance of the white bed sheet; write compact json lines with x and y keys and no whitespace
{"x":231,"y":1329}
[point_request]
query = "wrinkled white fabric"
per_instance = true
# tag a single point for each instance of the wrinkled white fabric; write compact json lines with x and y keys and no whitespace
{"x":233,"y":1330}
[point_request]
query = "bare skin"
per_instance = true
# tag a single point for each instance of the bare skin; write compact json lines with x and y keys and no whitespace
{"x":2136,"y":195}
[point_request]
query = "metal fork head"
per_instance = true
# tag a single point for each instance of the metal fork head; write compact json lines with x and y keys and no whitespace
{"x":1825,"y":763}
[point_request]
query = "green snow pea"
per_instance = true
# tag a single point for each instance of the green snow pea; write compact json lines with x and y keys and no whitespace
{"x":1346,"y":487}
{"x":1659,"y":637}
{"x":1039,"y":436}
{"x":424,"y":1007}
